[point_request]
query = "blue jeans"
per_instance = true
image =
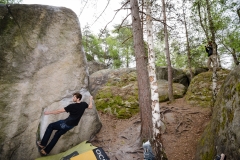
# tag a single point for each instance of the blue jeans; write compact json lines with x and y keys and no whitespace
{"x":61,"y":128}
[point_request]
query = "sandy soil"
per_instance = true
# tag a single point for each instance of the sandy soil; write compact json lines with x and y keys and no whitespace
{"x":184,"y":125}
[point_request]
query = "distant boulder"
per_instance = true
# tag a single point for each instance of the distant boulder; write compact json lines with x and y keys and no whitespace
{"x":222,"y":135}
{"x":94,"y":66}
{"x":179,"y":90}
{"x":100,"y":78}
{"x":178,"y":75}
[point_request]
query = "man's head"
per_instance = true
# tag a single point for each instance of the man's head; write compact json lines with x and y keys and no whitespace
{"x":77,"y":97}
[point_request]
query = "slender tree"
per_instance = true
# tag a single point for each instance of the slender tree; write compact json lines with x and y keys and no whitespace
{"x":238,"y":13}
{"x":213,"y":39}
{"x":187,"y":39}
{"x":202,"y":20}
{"x":142,"y":73}
{"x":156,"y":118}
{"x":170,"y":82}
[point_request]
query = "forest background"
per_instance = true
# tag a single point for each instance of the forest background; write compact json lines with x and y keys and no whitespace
{"x":112,"y":44}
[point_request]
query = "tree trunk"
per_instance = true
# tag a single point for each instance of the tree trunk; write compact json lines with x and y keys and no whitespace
{"x":127,"y":58}
{"x":156,"y":118}
{"x":205,"y":30}
{"x":238,"y":12}
{"x":233,"y":53}
{"x":214,"y":45}
{"x":188,"y":46}
{"x":235,"y":57}
{"x":170,"y":83}
{"x":142,"y":74}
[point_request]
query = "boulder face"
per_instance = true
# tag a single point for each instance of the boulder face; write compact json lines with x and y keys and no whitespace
{"x":200,"y":90}
{"x":223,"y":133}
{"x":41,"y":66}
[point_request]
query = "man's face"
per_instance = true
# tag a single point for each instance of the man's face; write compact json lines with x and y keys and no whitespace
{"x":74,"y":98}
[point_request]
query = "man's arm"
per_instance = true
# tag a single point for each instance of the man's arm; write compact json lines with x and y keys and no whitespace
{"x":222,"y":156}
{"x":55,"y":111}
{"x":90,"y":102}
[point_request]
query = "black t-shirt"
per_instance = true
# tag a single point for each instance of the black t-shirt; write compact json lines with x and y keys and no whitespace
{"x":209,"y":50}
{"x":76,"y":111}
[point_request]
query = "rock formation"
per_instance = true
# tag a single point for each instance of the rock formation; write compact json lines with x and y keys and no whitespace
{"x":200,"y":90}
{"x":94,"y":66}
{"x":41,"y":66}
{"x":116,"y":91}
{"x":222,"y":135}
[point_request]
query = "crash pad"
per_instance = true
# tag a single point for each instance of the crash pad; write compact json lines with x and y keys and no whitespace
{"x":67,"y":155}
{"x":95,"y":154}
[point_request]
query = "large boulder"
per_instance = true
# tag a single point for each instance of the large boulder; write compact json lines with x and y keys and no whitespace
{"x":116,"y":91}
{"x":199,"y":92}
{"x":222,"y":135}
{"x":41,"y":65}
{"x":100,"y":78}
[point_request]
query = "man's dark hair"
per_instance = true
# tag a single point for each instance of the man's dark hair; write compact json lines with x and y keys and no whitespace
{"x":78,"y":95}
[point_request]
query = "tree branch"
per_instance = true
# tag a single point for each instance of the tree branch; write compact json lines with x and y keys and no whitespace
{"x":123,"y":22}
{"x":155,"y":19}
{"x":113,"y":18}
{"x":127,"y":39}
{"x":83,"y":8}
{"x":102,"y":12}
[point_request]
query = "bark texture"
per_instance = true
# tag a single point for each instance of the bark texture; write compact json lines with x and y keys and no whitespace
{"x":142,"y":73}
{"x":156,"y":119}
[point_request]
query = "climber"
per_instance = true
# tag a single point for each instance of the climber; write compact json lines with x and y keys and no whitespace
{"x":209,"y":50}
{"x":75,"y":111}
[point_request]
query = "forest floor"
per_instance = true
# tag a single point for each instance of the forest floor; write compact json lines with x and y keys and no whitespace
{"x":184,"y":125}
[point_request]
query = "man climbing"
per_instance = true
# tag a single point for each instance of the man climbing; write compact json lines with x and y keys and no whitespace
{"x":75,"y":111}
{"x":209,"y":50}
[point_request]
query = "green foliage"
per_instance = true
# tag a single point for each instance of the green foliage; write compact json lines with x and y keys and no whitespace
{"x":225,"y":21}
{"x":114,"y":50}
{"x":10,"y":1}
{"x":233,"y":40}
{"x":92,"y":46}
{"x":123,"y":36}
{"x":160,"y":58}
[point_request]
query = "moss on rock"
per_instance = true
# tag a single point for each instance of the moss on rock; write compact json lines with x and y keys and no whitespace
{"x":119,"y":96}
{"x":200,"y":90}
